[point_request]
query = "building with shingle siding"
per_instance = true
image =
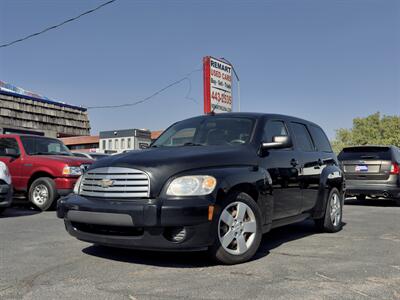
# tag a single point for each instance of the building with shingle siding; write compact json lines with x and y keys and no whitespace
{"x":30,"y":115}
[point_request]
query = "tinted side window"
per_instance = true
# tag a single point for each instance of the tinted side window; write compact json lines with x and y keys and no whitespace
{"x":320,"y":139}
{"x":272,"y":129}
{"x":6,"y":144}
{"x":302,"y":136}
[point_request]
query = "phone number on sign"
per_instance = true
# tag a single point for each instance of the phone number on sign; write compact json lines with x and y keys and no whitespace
{"x":221,"y":97}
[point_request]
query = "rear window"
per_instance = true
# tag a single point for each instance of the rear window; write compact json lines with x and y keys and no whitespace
{"x":356,"y":153}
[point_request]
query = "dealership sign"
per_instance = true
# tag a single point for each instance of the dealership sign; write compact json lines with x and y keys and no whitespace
{"x":217,"y":85}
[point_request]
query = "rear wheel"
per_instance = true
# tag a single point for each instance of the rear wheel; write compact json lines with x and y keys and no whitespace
{"x":238,"y":233}
{"x":42,"y":193}
{"x":332,"y":220}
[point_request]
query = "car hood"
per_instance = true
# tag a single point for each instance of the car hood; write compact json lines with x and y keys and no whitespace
{"x":162,"y":163}
{"x":69,"y":160}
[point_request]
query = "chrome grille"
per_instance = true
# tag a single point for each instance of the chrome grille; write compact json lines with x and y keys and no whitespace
{"x":115,"y":182}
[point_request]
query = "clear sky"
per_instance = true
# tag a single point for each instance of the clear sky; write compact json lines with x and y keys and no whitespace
{"x":326,"y":61}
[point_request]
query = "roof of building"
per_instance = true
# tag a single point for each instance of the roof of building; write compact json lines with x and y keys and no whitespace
{"x":43,"y":100}
{"x":79,"y":140}
{"x":156,"y":134}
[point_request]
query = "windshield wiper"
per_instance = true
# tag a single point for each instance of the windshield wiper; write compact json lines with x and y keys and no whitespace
{"x":192,"y":144}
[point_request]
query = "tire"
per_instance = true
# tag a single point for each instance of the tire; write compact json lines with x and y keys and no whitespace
{"x":2,"y":209}
{"x":42,"y":193}
{"x":332,"y":220}
{"x":361,"y":198}
{"x":239,"y":241}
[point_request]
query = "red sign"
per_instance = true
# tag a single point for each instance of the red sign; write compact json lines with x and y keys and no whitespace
{"x":217,"y":79}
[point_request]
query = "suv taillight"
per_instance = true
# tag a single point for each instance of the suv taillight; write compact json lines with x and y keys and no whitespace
{"x":394,"y":169}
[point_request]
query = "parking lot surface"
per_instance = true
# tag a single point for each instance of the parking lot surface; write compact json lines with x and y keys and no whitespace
{"x":39,"y":260}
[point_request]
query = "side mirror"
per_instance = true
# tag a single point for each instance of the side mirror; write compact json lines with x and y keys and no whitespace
{"x":12,"y":152}
{"x":278,"y":142}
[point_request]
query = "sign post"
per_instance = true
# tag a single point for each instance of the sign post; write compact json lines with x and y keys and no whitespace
{"x":217,"y":79}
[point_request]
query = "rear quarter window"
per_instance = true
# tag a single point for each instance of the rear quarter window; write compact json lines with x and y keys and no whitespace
{"x":320,"y":139}
{"x":357,"y":153}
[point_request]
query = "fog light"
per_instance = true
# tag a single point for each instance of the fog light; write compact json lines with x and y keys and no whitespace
{"x":175,"y":234}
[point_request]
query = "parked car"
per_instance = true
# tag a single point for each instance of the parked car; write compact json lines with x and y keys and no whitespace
{"x":42,"y":168}
{"x":6,"y":190}
{"x":372,"y":171}
{"x":90,"y":155}
{"x":215,"y":182}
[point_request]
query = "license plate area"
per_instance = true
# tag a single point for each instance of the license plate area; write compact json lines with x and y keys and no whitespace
{"x":361,"y":168}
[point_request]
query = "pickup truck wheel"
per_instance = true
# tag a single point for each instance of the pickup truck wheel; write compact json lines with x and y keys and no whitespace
{"x":332,"y":220}
{"x":42,"y":193}
{"x":237,"y":235}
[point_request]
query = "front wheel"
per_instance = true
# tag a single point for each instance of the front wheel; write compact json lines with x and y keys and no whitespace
{"x":238,"y":233}
{"x":42,"y":193}
{"x":332,"y":220}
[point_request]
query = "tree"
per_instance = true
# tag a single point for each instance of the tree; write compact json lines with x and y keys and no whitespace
{"x":371,"y":130}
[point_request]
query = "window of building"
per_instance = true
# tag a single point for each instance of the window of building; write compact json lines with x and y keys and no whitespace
{"x":129,"y":143}
{"x":109,"y":144}
{"x":104,"y":144}
{"x":302,"y":136}
{"x":116,"y":144}
{"x":122,"y":143}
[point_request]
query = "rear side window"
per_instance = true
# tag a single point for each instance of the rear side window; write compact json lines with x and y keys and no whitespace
{"x":6,"y":144}
{"x":356,"y":153}
{"x":303,"y":138}
{"x":272,"y":129}
{"x":320,"y":139}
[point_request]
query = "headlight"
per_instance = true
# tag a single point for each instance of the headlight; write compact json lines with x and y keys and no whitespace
{"x":72,"y":171}
{"x":77,"y":186}
{"x":192,"y":186}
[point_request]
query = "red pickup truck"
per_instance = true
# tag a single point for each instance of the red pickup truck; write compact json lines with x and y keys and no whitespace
{"x":42,"y":168}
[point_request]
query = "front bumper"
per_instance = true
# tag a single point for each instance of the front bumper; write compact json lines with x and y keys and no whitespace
{"x":139,"y":223}
{"x":6,"y":195}
{"x":354,"y":188}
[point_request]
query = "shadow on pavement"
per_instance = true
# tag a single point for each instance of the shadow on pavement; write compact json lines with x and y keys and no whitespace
{"x":19,"y":210}
{"x":372,"y":202}
{"x":270,"y":241}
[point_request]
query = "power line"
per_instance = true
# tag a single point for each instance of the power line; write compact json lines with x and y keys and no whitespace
{"x":56,"y":26}
{"x":185,"y":78}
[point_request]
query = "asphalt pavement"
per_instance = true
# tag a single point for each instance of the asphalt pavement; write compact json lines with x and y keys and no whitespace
{"x":39,"y":260}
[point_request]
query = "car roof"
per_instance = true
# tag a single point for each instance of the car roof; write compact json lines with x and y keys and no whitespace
{"x":257,"y":115}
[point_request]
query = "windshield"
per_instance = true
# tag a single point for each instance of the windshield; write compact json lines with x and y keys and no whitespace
{"x":44,"y":146}
{"x":207,"y":131}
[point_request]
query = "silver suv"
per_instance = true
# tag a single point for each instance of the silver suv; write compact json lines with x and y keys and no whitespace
{"x":372,"y":171}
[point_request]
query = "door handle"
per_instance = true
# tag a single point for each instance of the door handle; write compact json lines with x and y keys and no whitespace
{"x":294,"y":162}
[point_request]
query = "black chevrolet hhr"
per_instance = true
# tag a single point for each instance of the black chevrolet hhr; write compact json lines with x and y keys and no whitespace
{"x":214,"y":182}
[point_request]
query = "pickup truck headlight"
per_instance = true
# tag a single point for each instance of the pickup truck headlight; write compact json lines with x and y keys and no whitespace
{"x":197,"y":185}
{"x":77,"y":187}
{"x":72,"y":171}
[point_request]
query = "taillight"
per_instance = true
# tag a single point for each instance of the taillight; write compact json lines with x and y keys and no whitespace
{"x":394,"y":169}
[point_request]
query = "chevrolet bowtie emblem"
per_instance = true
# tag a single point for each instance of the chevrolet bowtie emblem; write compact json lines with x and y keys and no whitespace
{"x":106,"y":183}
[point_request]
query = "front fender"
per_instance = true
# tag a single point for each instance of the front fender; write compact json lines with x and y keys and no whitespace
{"x":331,"y":176}
{"x":253,"y":180}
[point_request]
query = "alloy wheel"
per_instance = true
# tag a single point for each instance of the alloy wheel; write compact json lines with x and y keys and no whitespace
{"x":237,"y":228}
{"x":335,"y":209}
{"x":40,"y":194}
